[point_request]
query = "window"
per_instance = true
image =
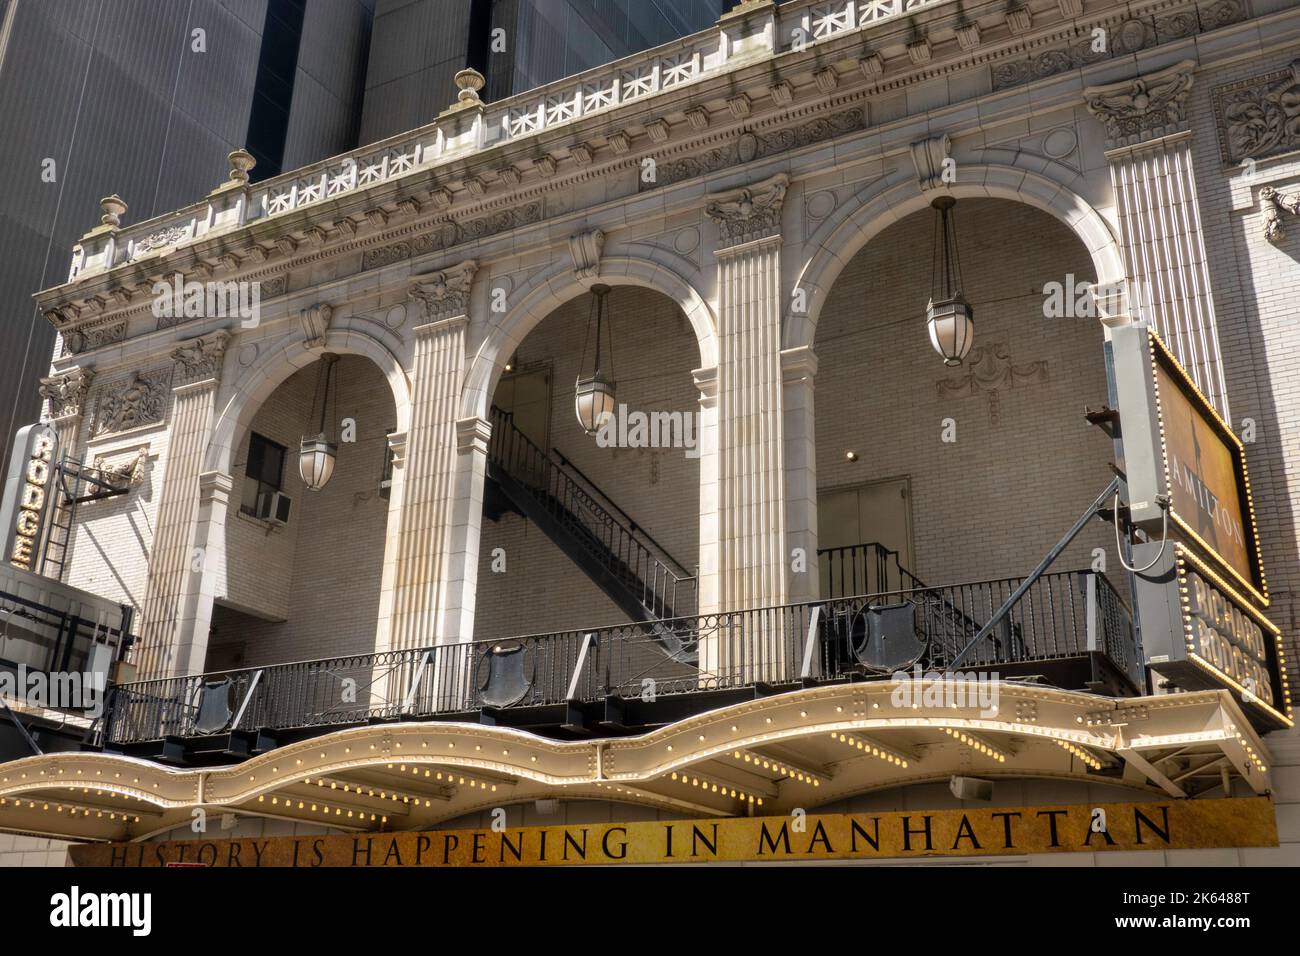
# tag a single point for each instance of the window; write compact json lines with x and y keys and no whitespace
{"x":264,"y":473}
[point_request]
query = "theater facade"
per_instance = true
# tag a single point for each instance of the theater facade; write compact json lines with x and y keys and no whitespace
{"x":864,"y":430}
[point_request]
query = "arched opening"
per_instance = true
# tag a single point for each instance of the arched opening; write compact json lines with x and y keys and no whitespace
{"x":935,"y":476}
{"x":305,"y":584}
{"x":581,"y":530}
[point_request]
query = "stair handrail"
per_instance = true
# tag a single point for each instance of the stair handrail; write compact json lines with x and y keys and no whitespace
{"x":655,"y":569}
{"x":568,"y":463}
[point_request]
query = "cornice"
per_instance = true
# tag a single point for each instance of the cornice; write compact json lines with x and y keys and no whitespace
{"x":789,"y":70}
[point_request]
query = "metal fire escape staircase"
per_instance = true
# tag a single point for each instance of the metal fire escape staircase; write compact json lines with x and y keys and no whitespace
{"x":619,"y":556}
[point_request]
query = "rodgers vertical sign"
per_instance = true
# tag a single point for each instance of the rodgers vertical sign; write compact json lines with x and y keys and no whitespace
{"x":28,"y":491}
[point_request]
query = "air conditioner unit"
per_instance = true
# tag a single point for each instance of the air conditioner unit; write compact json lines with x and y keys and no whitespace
{"x":274,"y":506}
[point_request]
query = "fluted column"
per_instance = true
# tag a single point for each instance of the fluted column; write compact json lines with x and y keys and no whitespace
{"x":752,"y":566}
{"x":751,"y":479}
{"x":164,"y":650}
{"x":799,"y":368}
{"x":429,"y":482}
{"x":1149,"y":151}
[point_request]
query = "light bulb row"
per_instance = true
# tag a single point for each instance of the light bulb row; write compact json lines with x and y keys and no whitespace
{"x":976,"y":744}
{"x":776,"y":766}
{"x":72,"y":810}
{"x":872,"y":748}
{"x":713,"y":787}
{"x":1082,"y":754}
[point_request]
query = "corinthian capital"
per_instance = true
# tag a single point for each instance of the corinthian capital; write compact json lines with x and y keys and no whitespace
{"x":200,"y":358}
{"x":445,"y":293}
{"x":66,"y":392}
{"x":749,"y":213}
{"x":1144,"y":108}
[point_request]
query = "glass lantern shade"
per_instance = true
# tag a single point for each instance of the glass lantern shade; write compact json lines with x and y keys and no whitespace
{"x":593,"y":400}
{"x":951,"y":323}
{"x":316,"y":462}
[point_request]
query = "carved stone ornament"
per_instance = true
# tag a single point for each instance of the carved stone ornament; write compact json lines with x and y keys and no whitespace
{"x":1145,"y":108}
{"x":66,"y":392}
{"x":86,"y":339}
{"x":131,"y":403}
{"x":315,"y":323}
{"x":446,"y":293}
{"x":988,"y":370}
{"x":750,"y":213}
{"x":200,"y":358}
{"x":131,"y":471}
{"x":447,"y":234}
{"x":586,"y":249}
{"x":1275,"y":203}
{"x":749,"y":146}
{"x":1260,"y":116}
{"x":929,"y":156}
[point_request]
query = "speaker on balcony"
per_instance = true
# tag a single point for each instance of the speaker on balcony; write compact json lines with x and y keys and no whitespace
{"x":884,"y":637}
{"x":503,"y":679}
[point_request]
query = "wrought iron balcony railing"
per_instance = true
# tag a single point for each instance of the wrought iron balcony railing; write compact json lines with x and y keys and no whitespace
{"x":1063,"y":616}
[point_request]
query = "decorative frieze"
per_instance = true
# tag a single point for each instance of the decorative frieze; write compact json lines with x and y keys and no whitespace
{"x":1260,"y":116}
{"x":750,"y":146}
{"x":446,"y":293}
{"x":444,"y":235}
{"x":66,"y":392}
{"x":200,"y":358}
{"x":87,"y":339}
{"x":1144,"y":108}
{"x":749,"y":213}
{"x":134,"y":402}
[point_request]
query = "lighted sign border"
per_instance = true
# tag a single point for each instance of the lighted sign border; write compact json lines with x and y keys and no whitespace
{"x":1160,"y":350}
{"x":1184,"y":557}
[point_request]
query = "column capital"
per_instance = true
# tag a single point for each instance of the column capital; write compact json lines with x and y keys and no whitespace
{"x":1144,"y":108}
{"x":749,"y":213}
{"x":706,"y":380}
{"x":198,"y":360}
{"x":397,"y":445}
{"x":66,"y":391}
{"x":443,"y":294}
{"x":473,"y":434}
{"x":798,"y":364}
{"x":215,"y":484}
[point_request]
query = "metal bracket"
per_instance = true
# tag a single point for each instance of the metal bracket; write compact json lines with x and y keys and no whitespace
{"x":588,"y":640}
{"x":243,"y":706}
{"x":409,"y":699}
{"x":810,"y":643}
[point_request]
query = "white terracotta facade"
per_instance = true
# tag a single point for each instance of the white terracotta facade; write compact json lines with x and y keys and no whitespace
{"x":736,"y":173}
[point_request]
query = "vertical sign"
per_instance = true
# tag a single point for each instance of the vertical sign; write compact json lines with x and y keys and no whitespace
{"x":28,"y":492}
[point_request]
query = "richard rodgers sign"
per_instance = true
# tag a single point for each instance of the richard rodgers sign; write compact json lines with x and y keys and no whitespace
{"x":27,"y":494}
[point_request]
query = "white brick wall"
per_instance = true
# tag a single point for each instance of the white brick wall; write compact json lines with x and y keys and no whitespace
{"x":654,"y":354}
{"x":992,"y":503}
{"x":314,"y":581}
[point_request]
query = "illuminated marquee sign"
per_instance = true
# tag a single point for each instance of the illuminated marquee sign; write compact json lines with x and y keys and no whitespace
{"x":1205,"y":474}
{"x":28,"y":493}
{"x":1230,"y":639}
{"x":1175,"y":824}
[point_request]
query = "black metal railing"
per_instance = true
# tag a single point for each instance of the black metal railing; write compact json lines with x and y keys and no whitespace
{"x":1062,"y":615}
{"x":662,"y":585}
{"x":49,"y":639}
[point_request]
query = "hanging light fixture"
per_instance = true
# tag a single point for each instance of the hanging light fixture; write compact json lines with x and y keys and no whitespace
{"x":949,"y":317}
{"x":594,"y":396}
{"x":316,"y":454}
